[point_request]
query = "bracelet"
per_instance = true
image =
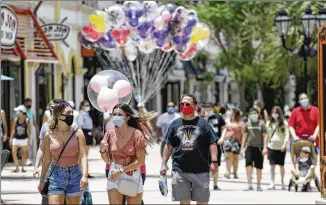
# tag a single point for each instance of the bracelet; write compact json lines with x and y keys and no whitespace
{"x":42,"y":180}
{"x":121,"y":170}
{"x":164,"y":166}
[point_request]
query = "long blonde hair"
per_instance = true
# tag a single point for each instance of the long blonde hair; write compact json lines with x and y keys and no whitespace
{"x":57,"y":110}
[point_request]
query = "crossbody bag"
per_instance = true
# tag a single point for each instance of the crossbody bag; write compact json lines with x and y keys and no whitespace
{"x":270,"y":139}
{"x":45,"y":189}
{"x":127,"y":187}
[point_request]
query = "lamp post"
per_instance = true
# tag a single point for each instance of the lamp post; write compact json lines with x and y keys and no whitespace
{"x":309,"y":23}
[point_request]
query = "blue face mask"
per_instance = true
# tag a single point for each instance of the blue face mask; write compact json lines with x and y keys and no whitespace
{"x":118,"y":121}
{"x":254,"y":117}
{"x":171,"y":110}
{"x":304,"y":102}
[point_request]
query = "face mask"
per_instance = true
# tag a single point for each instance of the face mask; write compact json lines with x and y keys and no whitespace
{"x":254,"y":117}
{"x":303,"y":159}
{"x":211,"y":113}
{"x":304,"y":102}
{"x":275,"y":116}
{"x":171,"y":110}
{"x":186,"y":110}
{"x":118,"y":121}
{"x":69,"y":120}
{"x":28,"y":107}
{"x":88,"y":109}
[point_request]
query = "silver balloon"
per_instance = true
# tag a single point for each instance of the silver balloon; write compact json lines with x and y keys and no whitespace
{"x":116,"y":15}
{"x":150,"y":10}
{"x":147,"y":45}
{"x":131,"y":52}
{"x":131,"y":4}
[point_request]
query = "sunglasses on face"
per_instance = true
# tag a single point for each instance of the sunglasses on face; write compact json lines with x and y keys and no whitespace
{"x":185,"y":104}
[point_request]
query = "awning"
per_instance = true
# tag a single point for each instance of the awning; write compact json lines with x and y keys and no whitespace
{"x":32,"y":45}
{"x":3,"y":77}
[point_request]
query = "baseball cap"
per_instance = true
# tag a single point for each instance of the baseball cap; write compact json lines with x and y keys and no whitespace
{"x":20,"y":108}
{"x":71,"y":103}
{"x":306,"y":149}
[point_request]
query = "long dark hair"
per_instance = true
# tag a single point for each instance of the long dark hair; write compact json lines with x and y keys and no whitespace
{"x":57,"y":110}
{"x":237,"y":115}
{"x":136,"y":121}
{"x":280,"y":118}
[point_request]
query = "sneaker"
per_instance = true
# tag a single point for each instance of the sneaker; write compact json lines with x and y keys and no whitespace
{"x":271,"y":187}
{"x":28,"y":162}
{"x":249,"y":188}
{"x":216,"y":188}
{"x":259,"y":188}
{"x":283,"y":186}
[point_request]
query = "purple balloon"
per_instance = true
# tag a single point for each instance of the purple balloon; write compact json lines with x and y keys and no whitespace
{"x":171,"y":7}
{"x":139,"y":13}
{"x":133,"y":22}
{"x":156,"y":34}
{"x":160,"y":42}
{"x":165,"y":33}
{"x":108,"y":43}
{"x":177,"y":39}
{"x":181,"y":48}
{"x":185,"y":40}
{"x":187,"y":31}
{"x":191,"y":22}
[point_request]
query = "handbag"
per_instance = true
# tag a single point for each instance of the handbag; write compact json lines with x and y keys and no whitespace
{"x":87,"y":198}
{"x":45,"y":189}
{"x":127,"y":187}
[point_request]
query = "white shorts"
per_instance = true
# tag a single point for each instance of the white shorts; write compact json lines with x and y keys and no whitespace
{"x":20,"y":142}
{"x":135,"y":177}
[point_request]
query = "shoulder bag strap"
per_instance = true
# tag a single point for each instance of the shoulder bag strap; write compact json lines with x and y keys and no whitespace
{"x":270,"y":139}
{"x":64,"y":147}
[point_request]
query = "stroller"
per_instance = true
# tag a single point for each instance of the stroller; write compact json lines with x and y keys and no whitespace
{"x":295,"y":152}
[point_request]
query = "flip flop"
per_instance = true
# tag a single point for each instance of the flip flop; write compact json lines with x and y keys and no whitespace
{"x":15,"y":171}
{"x":24,"y":171}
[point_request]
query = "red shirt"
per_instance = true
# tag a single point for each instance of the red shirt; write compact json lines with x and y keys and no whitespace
{"x":304,"y":121}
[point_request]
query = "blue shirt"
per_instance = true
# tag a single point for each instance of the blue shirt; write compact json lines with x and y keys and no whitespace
{"x":45,"y":128}
{"x":85,"y":121}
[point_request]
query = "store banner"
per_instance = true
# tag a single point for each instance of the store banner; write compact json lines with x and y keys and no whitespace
{"x":9,"y":26}
{"x":56,"y":31}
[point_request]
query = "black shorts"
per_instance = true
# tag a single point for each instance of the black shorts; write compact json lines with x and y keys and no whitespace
{"x":254,"y":157}
{"x":88,"y":136}
{"x":276,"y":157}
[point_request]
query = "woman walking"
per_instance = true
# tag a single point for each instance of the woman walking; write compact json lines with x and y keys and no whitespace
{"x":123,"y":147}
{"x":231,"y":140}
{"x":278,"y":137}
{"x":20,"y":136}
{"x":67,"y":181}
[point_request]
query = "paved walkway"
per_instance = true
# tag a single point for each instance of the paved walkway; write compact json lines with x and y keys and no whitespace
{"x":22,"y":187}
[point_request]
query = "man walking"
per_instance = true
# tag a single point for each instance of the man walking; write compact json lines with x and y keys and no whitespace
{"x":164,"y":122}
{"x":217,"y":123}
{"x":304,"y":121}
{"x":195,"y":153}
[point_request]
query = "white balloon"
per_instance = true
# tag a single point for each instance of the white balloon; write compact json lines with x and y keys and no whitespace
{"x":131,"y":52}
{"x":123,"y":87}
{"x":107,"y":99}
{"x":97,"y":82}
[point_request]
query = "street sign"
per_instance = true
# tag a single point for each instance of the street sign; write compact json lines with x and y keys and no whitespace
{"x":9,"y":26}
{"x":55,"y":31}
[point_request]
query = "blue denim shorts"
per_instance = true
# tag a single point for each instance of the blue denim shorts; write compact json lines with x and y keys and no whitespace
{"x":65,"y":181}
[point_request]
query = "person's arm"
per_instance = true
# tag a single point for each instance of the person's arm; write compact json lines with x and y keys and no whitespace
{"x":12,"y":133}
{"x":287,"y":136}
{"x":103,"y":146}
{"x":158,"y":126}
{"x":80,"y":120}
{"x":39,"y":158}
{"x":221,"y":140}
{"x":28,"y":132}
{"x":166,"y":153}
{"x":83,"y":158}
{"x":140,"y":155}
{"x":315,"y":135}
{"x":46,"y":159}
{"x":36,"y":127}
{"x":292,"y":126}
{"x":5,"y":126}
{"x":45,"y":118}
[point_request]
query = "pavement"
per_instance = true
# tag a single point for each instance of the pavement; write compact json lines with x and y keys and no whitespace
{"x":21,"y":188}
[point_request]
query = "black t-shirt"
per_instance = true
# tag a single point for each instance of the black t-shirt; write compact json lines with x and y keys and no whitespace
{"x":191,"y":140}
{"x":217,"y":122}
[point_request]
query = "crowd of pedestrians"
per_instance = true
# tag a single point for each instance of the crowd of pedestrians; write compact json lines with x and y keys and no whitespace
{"x":199,"y":135}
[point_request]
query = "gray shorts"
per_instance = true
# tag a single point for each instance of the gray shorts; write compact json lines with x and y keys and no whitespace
{"x":187,"y":186}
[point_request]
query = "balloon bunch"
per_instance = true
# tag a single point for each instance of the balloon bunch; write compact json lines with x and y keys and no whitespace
{"x":146,"y":26}
{"x":108,"y":88}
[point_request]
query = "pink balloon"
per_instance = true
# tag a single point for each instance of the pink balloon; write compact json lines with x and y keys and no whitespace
{"x":97,"y":82}
{"x":166,"y":15}
{"x":107,"y":99}
{"x":159,"y":22}
{"x":123,"y":87}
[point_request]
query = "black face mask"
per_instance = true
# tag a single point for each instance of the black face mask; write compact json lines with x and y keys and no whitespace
{"x":69,"y":120}
{"x":29,"y":106}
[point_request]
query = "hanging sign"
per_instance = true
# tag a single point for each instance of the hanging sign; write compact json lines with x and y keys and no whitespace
{"x":9,"y":26}
{"x":56,"y":31}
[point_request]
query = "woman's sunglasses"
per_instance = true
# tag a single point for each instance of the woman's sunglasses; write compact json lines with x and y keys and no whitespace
{"x":185,"y":104}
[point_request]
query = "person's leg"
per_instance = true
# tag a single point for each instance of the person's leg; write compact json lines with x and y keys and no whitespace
{"x":282,"y":170}
{"x":228,"y":157}
{"x":45,"y":200}
{"x":162,"y":148}
{"x":235,"y":164}
{"x":272,"y":185}
{"x":181,"y":188}
{"x":124,"y":200}
{"x":249,"y":168}
{"x":24,"y":157}
{"x":57,"y":199}
{"x":143,"y":176}
{"x":200,"y":187}
{"x":73,"y":200}
{"x":15,"y":158}
{"x":114,"y":196}
{"x":259,"y":162}
{"x":135,"y":200}
{"x":259,"y":175}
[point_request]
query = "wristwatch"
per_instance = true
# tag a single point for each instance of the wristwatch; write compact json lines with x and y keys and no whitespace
{"x":107,"y":150}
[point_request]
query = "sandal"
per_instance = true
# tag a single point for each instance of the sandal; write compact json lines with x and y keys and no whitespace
{"x":15,"y":171}
{"x":24,"y":171}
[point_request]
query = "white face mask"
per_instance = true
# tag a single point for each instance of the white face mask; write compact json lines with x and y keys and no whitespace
{"x":303,"y":159}
{"x":88,"y":108}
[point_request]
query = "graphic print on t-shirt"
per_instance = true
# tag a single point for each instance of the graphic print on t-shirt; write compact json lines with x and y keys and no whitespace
{"x":188,"y":135}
